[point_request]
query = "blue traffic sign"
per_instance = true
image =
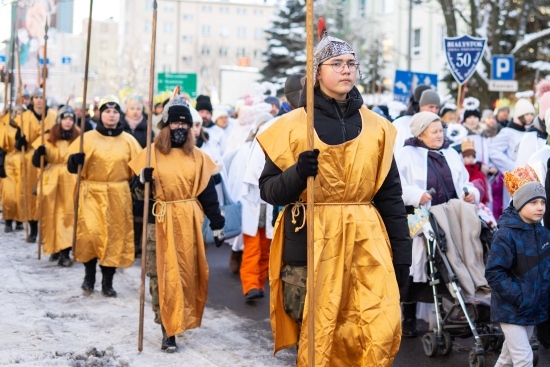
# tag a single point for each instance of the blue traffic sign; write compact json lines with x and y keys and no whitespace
{"x":503,"y":67}
{"x":405,"y":83}
{"x":41,"y":61}
{"x":463,"y":54}
{"x":66,"y":60}
{"x":2,"y":58}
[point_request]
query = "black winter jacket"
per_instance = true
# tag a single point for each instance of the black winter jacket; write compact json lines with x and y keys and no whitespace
{"x":282,"y":188}
{"x":140,"y":132}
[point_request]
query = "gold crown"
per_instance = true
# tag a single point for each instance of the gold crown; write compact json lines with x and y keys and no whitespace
{"x":468,"y":144}
{"x":519,"y":177}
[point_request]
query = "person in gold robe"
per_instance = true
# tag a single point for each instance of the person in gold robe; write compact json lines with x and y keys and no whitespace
{"x":30,"y":130}
{"x":184,"y":191}
{"x":58,"y":186}
{"x":105,"y":228}
{"x":362,"y":247}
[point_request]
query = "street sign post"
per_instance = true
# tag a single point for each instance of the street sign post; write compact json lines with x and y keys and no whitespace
{"x":187,"y":82}
{"x":41,"y":61}
{"x":66,"y":60}
{"x":503,"y":85}
{"x":2,"y":58}
{"x":405,"y":82}
{"x":463,"y":54}
{"x":503,"y":73}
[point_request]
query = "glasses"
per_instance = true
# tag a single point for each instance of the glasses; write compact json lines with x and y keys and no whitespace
{"x":338,"y":66}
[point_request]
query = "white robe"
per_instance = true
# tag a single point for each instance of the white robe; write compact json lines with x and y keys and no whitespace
{"x":403,"y":126}
{"x":481,"y":145}
{"x":412,"y":163}
{"x":538,"y":161}
{"x":503,"y":149}
{"x":223,"y":134}
{"x":529,"y":144}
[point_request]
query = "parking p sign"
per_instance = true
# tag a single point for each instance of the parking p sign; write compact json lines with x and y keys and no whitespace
{"x":503,"y":67}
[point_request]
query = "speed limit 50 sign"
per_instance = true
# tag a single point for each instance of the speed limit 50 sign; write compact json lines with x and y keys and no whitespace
{"x":463,"y":54}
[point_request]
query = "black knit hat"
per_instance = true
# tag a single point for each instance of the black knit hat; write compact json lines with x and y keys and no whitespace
{"x":176,"y":109}
{"x":293,"y":89}
{"x":468,"y":113}
{"x":203,"y":103}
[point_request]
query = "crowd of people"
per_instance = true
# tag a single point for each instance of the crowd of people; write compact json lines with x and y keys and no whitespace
{"x":372,"y":173}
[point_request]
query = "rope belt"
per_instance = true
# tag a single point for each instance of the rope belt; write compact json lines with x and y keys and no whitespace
{"x":162,"y":215}
{"x":295,"y":211}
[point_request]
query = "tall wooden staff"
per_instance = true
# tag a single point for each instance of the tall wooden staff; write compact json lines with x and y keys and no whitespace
{"x":41,"y":178}
{"x":310,"y":78}
{"x":147,"y":184}
{"x":23,"y":163}
{"x":82,"y":127}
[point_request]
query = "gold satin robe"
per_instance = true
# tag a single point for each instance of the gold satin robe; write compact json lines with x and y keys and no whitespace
{"x":105,"y":227}
{"x":12,"y":185}
{"x":31,"y":128}
{"x":57,"y":197}
{"x":181,"y":259}
{"x":357,"y":313}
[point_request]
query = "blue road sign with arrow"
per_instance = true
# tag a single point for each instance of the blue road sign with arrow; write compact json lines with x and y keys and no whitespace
{"x":463,"y":54}
{"x":2,"y":58}
{"x":405,"y":83}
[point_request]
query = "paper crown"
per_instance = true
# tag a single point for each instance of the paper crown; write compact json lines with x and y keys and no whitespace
{"x":468,"y":145}
{"x":519,"y":177}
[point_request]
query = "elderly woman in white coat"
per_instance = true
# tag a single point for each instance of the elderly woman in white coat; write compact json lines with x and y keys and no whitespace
{"x":431,"y":173}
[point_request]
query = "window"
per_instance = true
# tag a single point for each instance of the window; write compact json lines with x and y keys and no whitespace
{"x":147,"y":27}
{"x":168,"y":27}
{"x":148,"y":4}
{"x":169,"y":6}
{"x":387,"y":47}
{"x":258,"y":53}
{"x":206,"y":30}
{"x":187,"y":17}
{"x":224,"y":10}
{"x":241,"y":52}
{"x":417,"y":42}
{"x":258,"y":11}
{"x":166,"y":68}
{"x":241,"y":11}
{"x":205,"y":51}
{"x":388,"y":6}
{"x":442,"y":35}
{"x":241,"y":32}
{"x":223,"y":51}
{"x":363,"y":8}
{"x":207,"y":8}
{"x":187,"y":59}
{"x":224,"y":31}
{"x":259,"y":33}
{"x":187,"y":38}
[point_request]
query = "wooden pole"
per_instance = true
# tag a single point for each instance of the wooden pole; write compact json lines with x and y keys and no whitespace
{"x":147,"y":191}
{"x":459,"y":97}
{"x":82,"y":127}
{"x":42,"y":128}
{"x":310,"y":78}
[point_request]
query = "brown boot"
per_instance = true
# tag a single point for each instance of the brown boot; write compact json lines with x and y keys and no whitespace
{"x":235,"y":261}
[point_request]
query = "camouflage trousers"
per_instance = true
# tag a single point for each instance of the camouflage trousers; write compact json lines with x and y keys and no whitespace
{"x":151,"y":269}
{"x":294,"y":291}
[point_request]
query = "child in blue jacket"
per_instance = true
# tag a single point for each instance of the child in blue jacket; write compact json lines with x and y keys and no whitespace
{"x":518,"y":271}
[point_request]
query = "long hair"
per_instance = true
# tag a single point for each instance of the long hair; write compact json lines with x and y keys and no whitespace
{"x":163,"y":141}
{"x":55,"y":133}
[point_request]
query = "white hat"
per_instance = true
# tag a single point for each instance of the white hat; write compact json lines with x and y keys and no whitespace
{"x":421,"y":120}
{"x":523,"y":107}
{"x":217,"y":113}
{"x":195,"y":115}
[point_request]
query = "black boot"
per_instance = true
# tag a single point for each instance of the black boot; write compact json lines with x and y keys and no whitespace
{"x":8,"y":226}
{"x":168,"y":343}
{"x":409,"y":322}
{"x":89,"y":277}
{"x":138,"y":230}
{"x":54,"y":257}
{"x":34,"y":231}
{"x":19,"y":226}
{"x":107,"y":281}
{"x":65,"y":258}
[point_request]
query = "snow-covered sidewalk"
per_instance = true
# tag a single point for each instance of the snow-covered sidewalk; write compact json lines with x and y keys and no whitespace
{"x":46,"y":321}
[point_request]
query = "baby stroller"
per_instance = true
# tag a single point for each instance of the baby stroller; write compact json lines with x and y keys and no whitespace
{"x":456,"y":315}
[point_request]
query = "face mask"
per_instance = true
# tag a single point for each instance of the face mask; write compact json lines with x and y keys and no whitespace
{"x":66,"y":134}
{"x":178,"y":136}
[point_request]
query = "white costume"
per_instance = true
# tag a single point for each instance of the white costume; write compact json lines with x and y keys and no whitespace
{"x":403,"y":126}
{"x":504,"y":147}
{"x":529,"y":144}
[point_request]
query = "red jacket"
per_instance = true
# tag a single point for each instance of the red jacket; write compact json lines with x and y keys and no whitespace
{"x":478,"y":179}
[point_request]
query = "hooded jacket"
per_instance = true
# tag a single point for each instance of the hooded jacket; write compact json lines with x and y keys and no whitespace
{"x":518,"y":271}
{"x":140,"y":132}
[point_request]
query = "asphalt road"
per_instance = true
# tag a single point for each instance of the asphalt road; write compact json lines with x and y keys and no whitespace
{"x":225,"y":292}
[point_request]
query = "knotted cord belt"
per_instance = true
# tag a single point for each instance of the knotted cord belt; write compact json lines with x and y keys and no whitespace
{"x":162,"y":215}
{"x":295,"y":211}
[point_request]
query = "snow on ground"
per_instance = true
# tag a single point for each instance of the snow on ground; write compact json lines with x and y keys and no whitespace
{"x":46,"y":321}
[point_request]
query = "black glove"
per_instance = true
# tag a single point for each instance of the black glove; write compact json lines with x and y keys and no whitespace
{"x":308,"y":164}
{"x":219,"y":237}
{"x":401,"y":274}
{"x":39,"y":152}
{"x":77,"y":159}
{"x":20,"y":143}
{"x":146,"y":175}
{"x":2,"y":172}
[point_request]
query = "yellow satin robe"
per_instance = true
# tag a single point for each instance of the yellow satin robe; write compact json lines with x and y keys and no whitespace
{"x":12,"y":185}
{"x":105,"y":227}
{"x":181,"y":259}
{"x":31,"y":128}
{"x":357,"y":312}
{"x":57,"y":198}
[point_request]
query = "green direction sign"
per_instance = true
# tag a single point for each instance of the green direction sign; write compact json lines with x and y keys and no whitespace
{"x":187,"y":82}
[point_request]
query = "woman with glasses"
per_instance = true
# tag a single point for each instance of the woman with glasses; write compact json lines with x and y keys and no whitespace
{"x":362,"y":245}
{"x":183,"y":189}
{"x":58,"y":187}
{"x":105,"y":231}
